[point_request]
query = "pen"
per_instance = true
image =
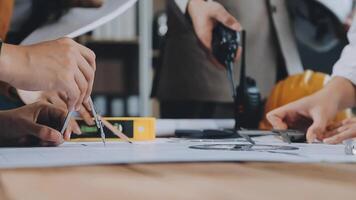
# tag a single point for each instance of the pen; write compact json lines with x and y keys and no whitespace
{"x":116,"y":131}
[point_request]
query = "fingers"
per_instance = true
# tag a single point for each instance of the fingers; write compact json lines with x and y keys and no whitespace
{"x":76,"y":128}
{"x":334,"y":129}
{"x":88,"y":54}
{"x":73,"y":95}
{"x":68,"y":132}
{"x":78,"y":75}
{"x":57,"y":100}
{"x":276,"y":118}
{"x":339,"y":138}
{"x":83,"y":87}
{"x":338,"y":127}
{"x":87,"y":106}
{"x":84,"y":111}
{"x":87,"y":66}
{"x":349,"y":121}
{"x":87,"y":76}
{"x":329,"y":134}
{"x":46,"y":135}
{"x":318,"y":127}
{"x":86,"y":115}
{"x":205,"y":36}
{"x":345,"y":130}
{"x":49,"y":136}
{"x":334,"y":126}
{"x":50,"y":115}
{"x":223,"y":16}
{"x":55,"y":119}
{"x":73,"y":127}
{"x":34,"y":135}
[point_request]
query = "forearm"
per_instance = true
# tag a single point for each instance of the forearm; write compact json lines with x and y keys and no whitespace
{"x":4,"y":62}
{"x":343,"y":84}
{"x":10,"y":57}
{"x":339,"y":90}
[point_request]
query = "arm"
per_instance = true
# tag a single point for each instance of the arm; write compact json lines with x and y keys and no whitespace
{"x":32,"y":125}
{"x":204,"y":15}
{"x":61,"y":65}
{"x":313,"y":113}
{"x":30,"y":97}
{"x":346,"y":66}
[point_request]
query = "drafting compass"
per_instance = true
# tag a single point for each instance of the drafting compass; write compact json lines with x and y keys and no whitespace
{"x":98,"y":122}
{"x":66,"y":121}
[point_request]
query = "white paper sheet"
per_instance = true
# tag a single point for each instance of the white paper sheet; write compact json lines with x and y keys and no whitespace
{"x":165,"y":151}
{"x":79,"y":21}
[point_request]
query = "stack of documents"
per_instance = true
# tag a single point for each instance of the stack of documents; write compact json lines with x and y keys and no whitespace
{"x":79,"y":21}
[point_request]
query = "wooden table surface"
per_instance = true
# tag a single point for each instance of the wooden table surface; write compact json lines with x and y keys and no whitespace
{"x":183,"y":181}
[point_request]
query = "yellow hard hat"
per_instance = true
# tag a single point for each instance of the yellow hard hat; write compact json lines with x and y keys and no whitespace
{"x":296,"y":87}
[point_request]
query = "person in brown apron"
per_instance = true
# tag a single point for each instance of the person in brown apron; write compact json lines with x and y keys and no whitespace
{"x":190,"y":85}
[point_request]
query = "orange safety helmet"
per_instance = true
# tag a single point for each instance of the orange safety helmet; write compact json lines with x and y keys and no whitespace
{"x":296,"y":87}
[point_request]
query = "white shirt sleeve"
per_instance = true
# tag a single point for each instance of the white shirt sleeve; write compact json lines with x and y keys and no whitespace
{"x":182,"y":4}
{"x":346,"y":66}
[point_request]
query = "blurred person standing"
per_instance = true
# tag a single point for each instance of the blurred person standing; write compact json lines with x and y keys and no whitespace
{"x":190,"y":85}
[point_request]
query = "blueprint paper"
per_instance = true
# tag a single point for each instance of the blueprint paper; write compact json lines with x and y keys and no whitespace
{"x":166,"y":151}
{"x":79,"y":21}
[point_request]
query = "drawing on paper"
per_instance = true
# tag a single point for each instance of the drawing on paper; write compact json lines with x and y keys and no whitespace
{"x":244,"y":147}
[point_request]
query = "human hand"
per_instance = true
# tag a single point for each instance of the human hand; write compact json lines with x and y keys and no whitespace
{"x":55,"y":98}
{"x":338,"y":132}
{"x":312,"y":114}
{"x":205,"y":15}
{"x":32,"y":125}
{"x":60,"y":65}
